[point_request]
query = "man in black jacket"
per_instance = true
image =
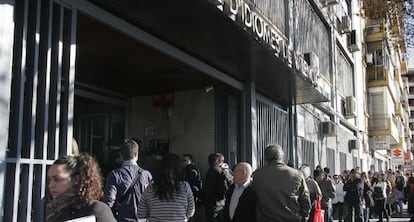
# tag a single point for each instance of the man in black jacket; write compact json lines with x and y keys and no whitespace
{"x":241,"y":199}
{"x":354,"y":197}
{"x":216,"y":185}
{"x":193,"y":177}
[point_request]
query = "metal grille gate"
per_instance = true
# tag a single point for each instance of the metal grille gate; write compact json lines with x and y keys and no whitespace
{"x":41,"y":116}
{"x":272,"y":127}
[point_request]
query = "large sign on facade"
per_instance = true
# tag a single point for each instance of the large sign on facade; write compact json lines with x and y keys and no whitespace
{"x":397,"y":155}
{"x":380,"y":142}
{"x":252,"y":20}
{"x":244,"y":13}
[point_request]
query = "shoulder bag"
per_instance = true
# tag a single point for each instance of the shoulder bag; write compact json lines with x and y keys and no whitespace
{"x":115,"y":207}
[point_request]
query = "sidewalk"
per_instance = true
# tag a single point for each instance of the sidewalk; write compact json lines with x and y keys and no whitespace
{"x":394,"y":218}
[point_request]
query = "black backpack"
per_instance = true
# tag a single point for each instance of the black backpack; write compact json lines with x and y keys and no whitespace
{"x":196,"y":183}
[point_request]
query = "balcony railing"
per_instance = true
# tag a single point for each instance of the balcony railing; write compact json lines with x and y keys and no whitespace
{"x":398,"y":109}
{"x":379,"y":123}
{"x":377,"y":73}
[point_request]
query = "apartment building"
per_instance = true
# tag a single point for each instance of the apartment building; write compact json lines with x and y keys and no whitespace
{"x":386,"y":65}
{"x":410,"y":79}
{"x":229,"y":76}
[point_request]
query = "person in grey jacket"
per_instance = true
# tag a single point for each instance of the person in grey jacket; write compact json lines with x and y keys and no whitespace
{"x":282,"y":193}
{"x":328,"y":192}
{"x":313,"y":188}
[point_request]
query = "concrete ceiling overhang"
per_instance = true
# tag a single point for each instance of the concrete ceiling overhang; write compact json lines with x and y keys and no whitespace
{"x":198,"y":28}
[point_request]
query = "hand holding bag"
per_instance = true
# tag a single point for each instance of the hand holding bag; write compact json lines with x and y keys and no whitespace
{"x":319,"y":214}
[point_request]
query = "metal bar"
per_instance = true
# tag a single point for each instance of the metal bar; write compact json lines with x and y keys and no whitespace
{"x":71,"y":79}
{"x":20,"y":118}
{"x":58,"y":74}
{"x":28,"y":161}
{"x":48,"y":43}
{"x":34,"y":104}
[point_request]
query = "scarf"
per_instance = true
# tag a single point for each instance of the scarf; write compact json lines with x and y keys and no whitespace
{"x":55,"y":207}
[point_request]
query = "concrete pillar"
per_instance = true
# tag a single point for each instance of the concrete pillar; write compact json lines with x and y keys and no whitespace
{"x":250,"y":129}
{"x":6,"y":57}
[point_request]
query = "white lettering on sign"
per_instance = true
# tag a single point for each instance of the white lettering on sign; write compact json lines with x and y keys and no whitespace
{"x":261,"y":27}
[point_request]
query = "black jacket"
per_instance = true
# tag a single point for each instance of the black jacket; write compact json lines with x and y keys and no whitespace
{"x":97,"y":208}
{"x":215,"y":186}
{"x":354,"y":190}
{"x":246,"y":208}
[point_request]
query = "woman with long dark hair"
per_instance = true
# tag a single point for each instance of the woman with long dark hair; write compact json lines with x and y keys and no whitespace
{"x":75,"y":185}
{"x":169,"y":198}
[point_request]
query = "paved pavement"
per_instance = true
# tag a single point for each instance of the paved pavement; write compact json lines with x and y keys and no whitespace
{"x":395,"y":218}
{"x":392,"y":219}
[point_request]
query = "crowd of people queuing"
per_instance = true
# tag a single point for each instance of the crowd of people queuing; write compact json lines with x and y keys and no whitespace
{"x":371,"y":195}
{"x":174,"y":190}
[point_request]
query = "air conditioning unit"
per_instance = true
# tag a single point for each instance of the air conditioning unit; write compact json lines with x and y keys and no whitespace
{"x":312,"y":59}
{"x":353,"y":145}
{"x":328,"y":128}
{"x":328,"y":3}
{"x":313,"y":62}
{"x":345,"y":25}
{"x":350,"y":107}
{"x":372,"y":29}
{"x":352,"y":41}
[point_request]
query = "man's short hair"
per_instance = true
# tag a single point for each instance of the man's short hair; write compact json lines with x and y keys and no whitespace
{"x":273,"y":153}
{"x":326,"y":170}
{"x":212,"y":159}
{"x":129,"y":149}
{"x":317,"y":172}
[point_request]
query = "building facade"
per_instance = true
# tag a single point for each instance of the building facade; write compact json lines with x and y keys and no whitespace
{"x":229,"y":76}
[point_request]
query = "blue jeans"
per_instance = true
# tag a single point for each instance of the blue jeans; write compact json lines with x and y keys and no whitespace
{"x":328,"y":214}
{"x":355,"y":210}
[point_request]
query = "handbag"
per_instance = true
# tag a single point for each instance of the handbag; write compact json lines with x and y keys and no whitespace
{"x":115,"y":207}
{"x":319,"y":214}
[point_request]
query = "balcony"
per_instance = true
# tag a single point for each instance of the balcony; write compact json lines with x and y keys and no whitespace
{"x":407,"y":108}
{"x":377,"y":76}
{"x":404,"y":66}
{"x":383,"y":125}
{"x":408,"y":132}
{"x":375,"y":31}
{"x":398,"y":109}
{"x":398,"y":78}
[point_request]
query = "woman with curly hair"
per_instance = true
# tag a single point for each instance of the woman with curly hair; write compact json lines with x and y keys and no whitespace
{"x":75,"y":186}
{"x":169,"y":198}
